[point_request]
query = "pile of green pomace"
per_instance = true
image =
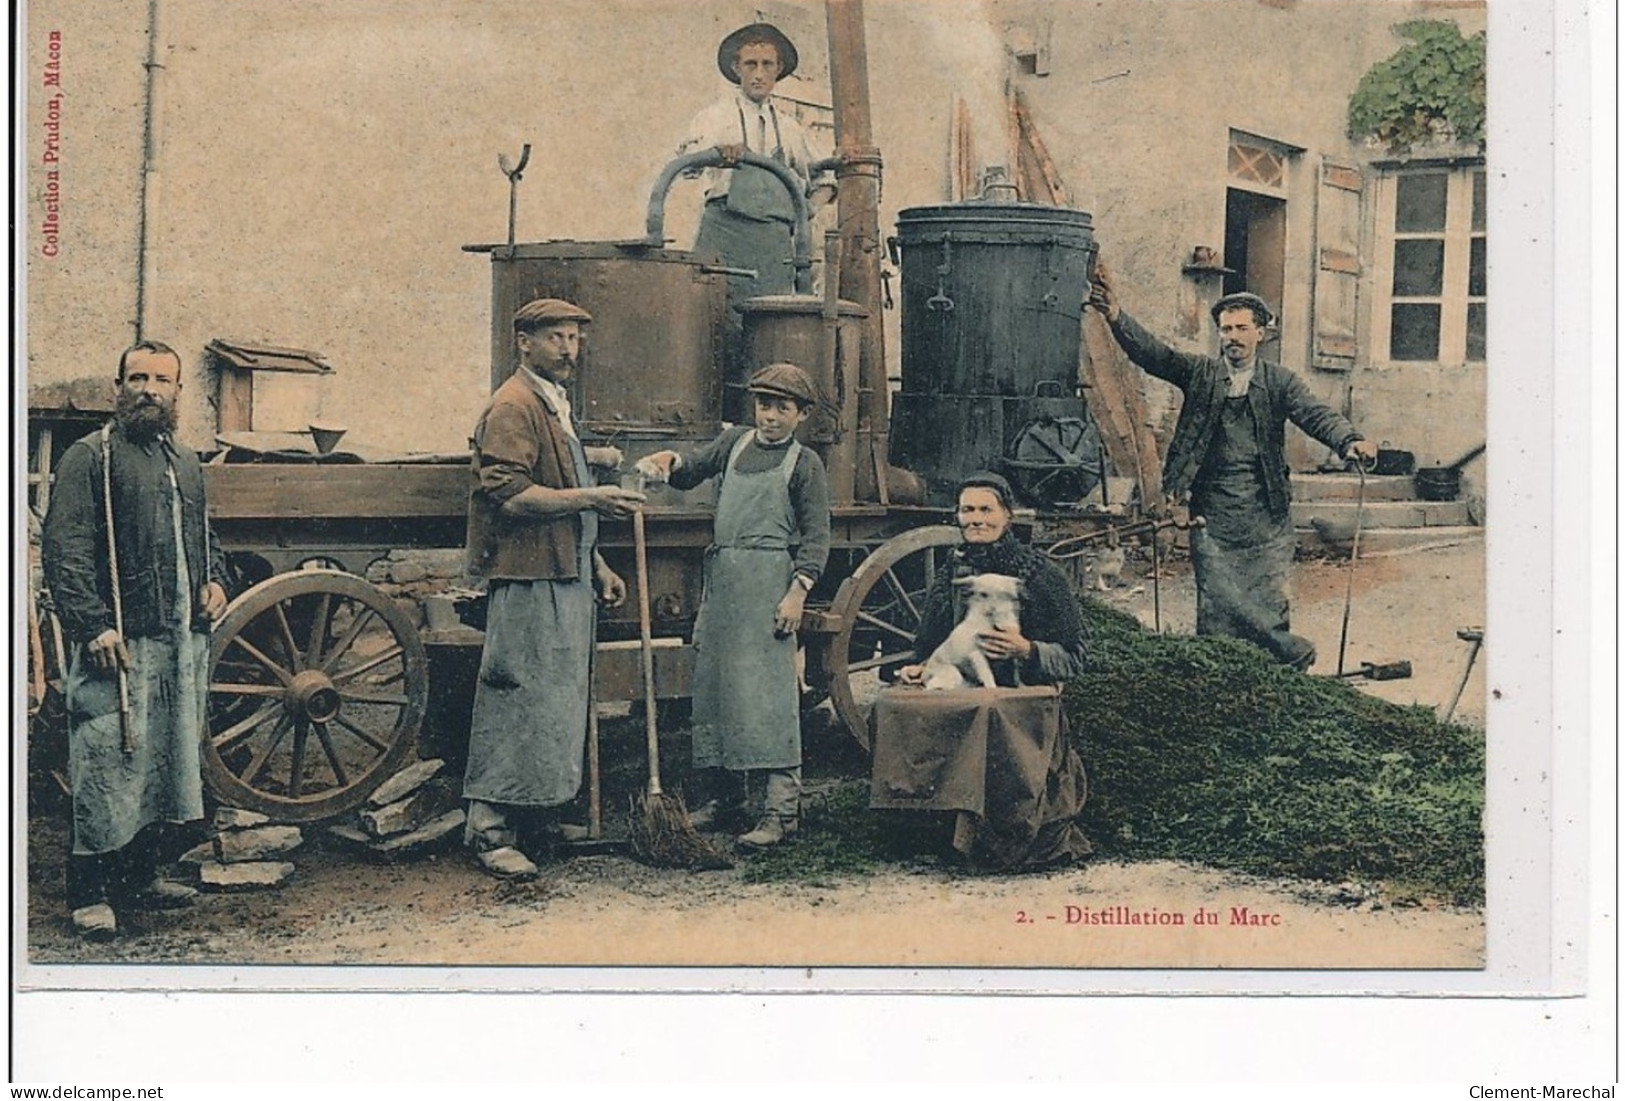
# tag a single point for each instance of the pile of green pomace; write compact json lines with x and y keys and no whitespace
{"x":1203,"y":749}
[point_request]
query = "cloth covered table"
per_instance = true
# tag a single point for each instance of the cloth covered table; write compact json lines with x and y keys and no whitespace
{"x":998,"y":756}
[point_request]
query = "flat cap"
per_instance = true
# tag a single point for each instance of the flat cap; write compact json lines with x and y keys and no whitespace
{"x":784,"y":380}
{"x":1244,"y":300}
{"x":548,"y":311}
{"x":728,"y":51}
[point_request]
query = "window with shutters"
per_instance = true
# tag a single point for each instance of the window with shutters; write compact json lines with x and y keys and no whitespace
{"x":1432,"y":275}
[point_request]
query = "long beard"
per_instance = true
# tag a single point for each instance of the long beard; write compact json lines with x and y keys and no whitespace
{"x":142,"y":419}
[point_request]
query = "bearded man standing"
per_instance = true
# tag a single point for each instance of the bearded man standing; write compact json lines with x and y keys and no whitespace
{"x":136,"y":603}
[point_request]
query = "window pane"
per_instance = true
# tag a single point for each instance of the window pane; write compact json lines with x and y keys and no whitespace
{"x":1478,"y":202}
{"x":1475,"y":331}
{"x":1476,"y":269}
{"x":1415,"y":331}
{"x":1418,"y":267}
{"x":1420,"y":205}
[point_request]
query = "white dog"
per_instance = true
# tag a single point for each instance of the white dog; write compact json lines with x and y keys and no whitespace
{"x":992,"y":602}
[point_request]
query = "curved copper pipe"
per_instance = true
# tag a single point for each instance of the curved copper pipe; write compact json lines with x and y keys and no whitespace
{"x":655,"y":223}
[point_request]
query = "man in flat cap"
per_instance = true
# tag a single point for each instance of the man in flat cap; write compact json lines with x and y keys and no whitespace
{"x":769,"y":547}
{"x":748,"y":214}
{"x":1228,"y":454}
{"x":533,"y":533}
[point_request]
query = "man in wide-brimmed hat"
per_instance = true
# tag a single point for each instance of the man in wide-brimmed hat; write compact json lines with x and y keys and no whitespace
{"x":749,"y":215}
{"x":1228,"y":454}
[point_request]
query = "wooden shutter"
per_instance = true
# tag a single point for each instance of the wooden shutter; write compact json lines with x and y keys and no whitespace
{"x":1337,"y":265}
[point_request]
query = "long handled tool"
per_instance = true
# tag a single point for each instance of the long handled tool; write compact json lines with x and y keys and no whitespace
{"x":1474,"y":635}
{"x":1379,"y":670}
{"x":1354,"y":561}
{"x":126,"y":728}
{"x":661,"y":832}
{"x":595,"y":794}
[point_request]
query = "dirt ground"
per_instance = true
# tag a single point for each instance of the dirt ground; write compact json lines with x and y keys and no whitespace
{"x":610,"y":910}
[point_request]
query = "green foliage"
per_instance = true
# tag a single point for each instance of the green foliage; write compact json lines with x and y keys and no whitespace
{"x":1203,"y":749}
{"x":841,"y":837}
{"x":1432,"y":89}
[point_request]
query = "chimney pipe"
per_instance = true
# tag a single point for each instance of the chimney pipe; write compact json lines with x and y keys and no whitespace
{"x":858,"y":213}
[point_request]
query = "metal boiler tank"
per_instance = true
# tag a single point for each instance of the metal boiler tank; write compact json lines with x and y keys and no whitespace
{"x":992,"y":296}
{"x":649,"y":378}
{"x":649,"y":371}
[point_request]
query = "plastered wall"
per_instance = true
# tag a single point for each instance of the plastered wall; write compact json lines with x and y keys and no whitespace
{"x":318,"y":165}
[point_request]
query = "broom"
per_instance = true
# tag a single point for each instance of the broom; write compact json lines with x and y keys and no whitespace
{"x":662,"y":835}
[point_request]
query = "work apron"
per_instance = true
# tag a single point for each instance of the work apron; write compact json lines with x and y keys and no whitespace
{"x":530,"y":705}
{"x":115,"y":793}
{"x":749,"y":228}
{"x":1243,"y":556}
{"x":747,"y":705}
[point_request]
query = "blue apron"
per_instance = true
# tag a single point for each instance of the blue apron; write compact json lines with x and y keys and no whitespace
{"x":1243,"y":557}
{"x":530,"y":705}
{"x":747,"y":703}
{"x":115,"y":793}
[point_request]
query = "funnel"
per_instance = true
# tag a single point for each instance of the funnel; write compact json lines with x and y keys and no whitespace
{"x":326,"y":436}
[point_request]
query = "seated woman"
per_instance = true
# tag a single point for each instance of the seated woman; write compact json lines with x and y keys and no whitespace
{"x":1037,"y":827}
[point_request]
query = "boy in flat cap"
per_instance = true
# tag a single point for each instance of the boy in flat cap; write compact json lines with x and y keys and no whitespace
{"x":1229,"y":454}
{"x":533,"y":533}
{"x":769,"y":547}
{"x":748,"y":215}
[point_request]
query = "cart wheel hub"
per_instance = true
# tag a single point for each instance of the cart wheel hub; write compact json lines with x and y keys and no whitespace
{"x":313,"y":696}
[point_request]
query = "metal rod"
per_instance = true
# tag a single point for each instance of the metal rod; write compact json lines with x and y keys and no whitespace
{"x":830,"y":331}
{"x":1472,"y":656}
{"x":1156,"y":583}
{"x":1354,"y":558}
{"x":125,"y":726}
{"x":143,"y":203}
{"x":595,"y":795}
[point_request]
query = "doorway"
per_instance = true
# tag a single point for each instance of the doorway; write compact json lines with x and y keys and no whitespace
{"x":1255,"y":244}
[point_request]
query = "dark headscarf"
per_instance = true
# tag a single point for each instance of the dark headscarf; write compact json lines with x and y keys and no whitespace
{"x":1049,"y":610}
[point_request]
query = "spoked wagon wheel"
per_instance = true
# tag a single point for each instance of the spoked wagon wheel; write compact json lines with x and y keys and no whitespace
{"x":878,"y":609}
{"x":317,"y":685}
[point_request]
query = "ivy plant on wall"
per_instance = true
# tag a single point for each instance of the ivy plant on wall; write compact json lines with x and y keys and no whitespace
{"x":1432,"y":90}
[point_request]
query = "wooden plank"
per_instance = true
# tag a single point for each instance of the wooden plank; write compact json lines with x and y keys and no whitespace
{"x":1342,"y":176}
{"x":1058,"y":193}
{"x":966,"y":168}
{"x":236,"y":411}
{"x":311,"y":491}
{"x":1341,"y":347}
{"x":1120,"y":397}
{"x":1338,"y":260}
{"x":42,"y":464}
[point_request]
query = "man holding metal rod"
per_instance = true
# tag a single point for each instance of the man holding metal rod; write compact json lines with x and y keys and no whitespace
{"x":1228,"y":454}
{"x":136,"y":578}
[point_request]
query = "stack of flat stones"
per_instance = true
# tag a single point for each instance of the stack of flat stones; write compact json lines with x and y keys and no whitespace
{"x":411,"y":813}
{"x":242,"y":854}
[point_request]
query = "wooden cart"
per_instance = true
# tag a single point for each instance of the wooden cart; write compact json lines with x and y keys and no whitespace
{"x":320,"y":680}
